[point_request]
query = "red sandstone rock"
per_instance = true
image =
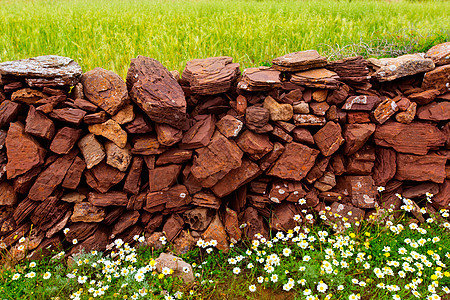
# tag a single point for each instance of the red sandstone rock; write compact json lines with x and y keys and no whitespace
{"x":407,"y":116}
{"x":163,"y":177}
{"x":216,"y":231}
{"x":108,"y":199}
{"x":440,"y":54}
{"x":116,"y":157}
{"x":236,"y":178}
{"x":362,"y":162}
{"x":361,"y":190}
{"x":259,"y":79}
{"x":110,"y":130}
{"x":442,"y":199}
{"x":146,"y":145}
{"x":8,"y":112}
{"x":424,"y":97}
{"x":416,"y":138}
{"x":437,"y":79}
{"x":283,"y":216}
{"x":93,"y":151}
{"x":156,"y":92}
{"x":438,"y":111}
{"x":7,"y":194}
{"x":254,"y":224}
{"x":200,"y":134}
{"x":102,"y":177}
{"x":168,"y":135}
{"x":173,"y":227}
{"x":421,"y":168}
{"x":51,"y":177}
{"x":136,"y":202}
{"x":125,"y":115}
{"x":299,"y":61}
{"x":316,"y":78}
{"x":73,"y":116}
{"x":39,"y":125}
{"x":355,"y":136}
{"x":270,"y":158}
{"x":65,"y":139}
{"x":319,"y":109}
{"x":133,"y":180}
{"x":302,"y":135}
{"x":385,"y":166}
{"x":177,"y":196}
{"x":232,"y":225}
{"x":254,"y":145}
{"x":85,"y":105}
{"x":96,"y":118}
{"x":27,"y":96}
{"x":23,"y":152}
{"x":229,"y":126}
{"x":361,"y":103}
{"x":216,"y":160}
{"x":213,"y":75}
{"x":125,"y":221}
{"x":388,"y":69}
{"x":294,"y":163}
{"x":105,"y":89}
{"x":328,"y":139}
{"x":385,"y":110}
{"x":138,"y":125}
{"x":309,"y":120}
{"x":74,"y":173}
{"x":357,"y":117}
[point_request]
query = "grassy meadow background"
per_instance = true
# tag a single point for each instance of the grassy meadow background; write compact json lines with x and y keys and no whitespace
{"x":107,"y":33}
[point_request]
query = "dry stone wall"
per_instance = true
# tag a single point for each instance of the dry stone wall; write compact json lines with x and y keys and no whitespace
{"x":198,"y":155}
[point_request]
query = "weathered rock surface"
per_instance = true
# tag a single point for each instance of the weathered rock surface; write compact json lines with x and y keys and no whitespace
{"x":156,"y":92}
{"x":216,"y":231}
{"x":361,"y":103}
{"x":254,"y":145}
{"x":51,"y":177}
{"x":86,"y":212}
{"x":385,"y":110}
{"x":177,"y":265}
{"x":214,"y":161}
{"x":438,"y":79}
{"x":329,"y":138}
{"x":294,"y":163}
{"x":299,"y":61}
{"x":48,"y":70}
{"x":108,"y":199}
{"x":440,"y":54}
{"x":229,"y":126}
{"x":438,"y":111}
{"x":73,"y":116}
{"x":110,"y":130}
{"x":162,"y":177}
{"x":198,"y":218}
{"x":316,"y":78}
{"x":355,"y":136}
{"x":259,"y":79}
{"x":361,"y":190}
{"x":421,"y":168}
{"x":24,"y":153}
{"x":168,"y":135}
{"x":39,"y":125}
{"x":8,"y":112}
{"x":388,"y":69}
{"x":200,"y":134}
{"x":105,"y":89}
{"x":93,"y":152}
{"x":385,"y":166}
{"x":212,"y":75}
{"x":277,"y":111}
{"x":416,"y":138}
{"x":116,"y":157}
{"x":65,"y":139}
{"x":102,"y":177}
{"x":74,"y":174}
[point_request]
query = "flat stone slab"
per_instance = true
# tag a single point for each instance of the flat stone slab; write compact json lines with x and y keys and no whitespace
{"x":299,"y":61}
{"x":48,"y":70}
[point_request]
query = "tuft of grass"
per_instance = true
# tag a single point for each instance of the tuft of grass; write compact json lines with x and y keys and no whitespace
{"x":108,"y":33}
{"x":372,"y":259}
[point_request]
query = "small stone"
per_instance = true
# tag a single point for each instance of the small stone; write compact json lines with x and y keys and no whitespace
{"x":102,"y":177}
{"x":309,"y":120}
{"x":184,"y":243}
{"x":257,"y":116}
{"x":27,"y":96}
{"x":39,"y":125}
{"x":213,"y":75}
{"x":96,"y":118}
{"x":214,"y":161}
{"x":105,"y":89}
{"x":119,"y":158}
{"x":177,"y":265}
{"x":424,"y":97}
{"x":302,"y":135}
{"x":232,"y":225}
{"x":198,"y":218}
{"x":278,"y":112}
{"x":156,"y":92}
{"x":316,"y":78}
{"x":216,"y":231}
{"x":438,"y":79}
{"x":421,"y":168}
{"x":319,"y":108}
{"x":65,"y":139}
{"x":329,"y":138}
{"x":229,"y":126}
{"x":206,"y":199}
{"x":320,"y":95}
{"x":92,"y":150}
{"x":355,"y":136}
{"x":125,"y":115}
{"x":282,"y":218}
{"x":168,"y":135}
{"x":200,"y":134}
{"x":361,"y":103}
{"x":7,"y":194}
{"x":255,"y":145}
{"x":173,"y":227}
{"x":385,"y":166}
{"x":176,"y":156}
{"x":86,"y":212}
{"x":146,"y":145}
{"x":163,"y":177}
{"x":407,"y":116}
{"x":108,"y":199}
{"x":8,"y":112}
{"x":23,"y":152}
{"x":416,"y":138}
{"x":133,"y":180}
{"x":84,"y":104}
{"x":385,"y":110}
{"x":440,"y":54}
{"x":73,"y":175}
{"x":388,"y":69}
{"x":294,"y":163}
{"x":110,"y":130}
{"x":299,"y":61}
{"x":73,"y":197}
{"x":357,"y":117}
{"x":301,"y":108}
{"x":438,"y":111}
{"x":259,"y":79}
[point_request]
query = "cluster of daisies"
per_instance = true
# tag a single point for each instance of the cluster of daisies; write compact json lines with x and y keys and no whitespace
{"x":387,"y":261}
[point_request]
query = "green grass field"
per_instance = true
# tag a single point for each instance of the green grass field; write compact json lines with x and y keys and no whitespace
{"x":107,"y":33}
